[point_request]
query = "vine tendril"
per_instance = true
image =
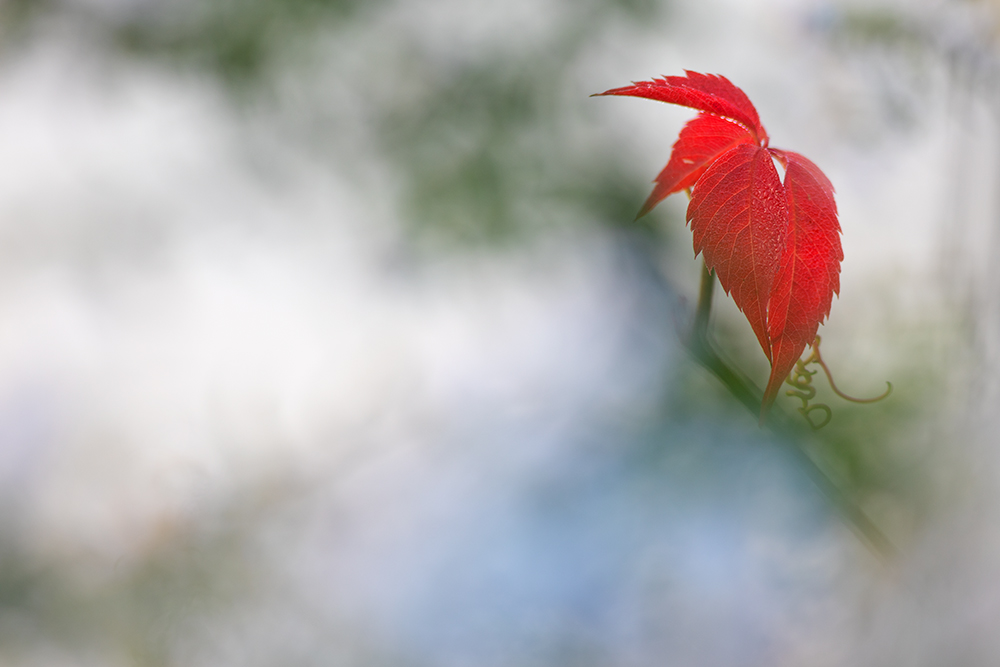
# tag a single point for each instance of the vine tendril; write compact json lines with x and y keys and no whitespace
{"x":801,"y":379}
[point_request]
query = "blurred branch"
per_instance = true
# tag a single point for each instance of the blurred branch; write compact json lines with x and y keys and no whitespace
{"x":789,"y":431}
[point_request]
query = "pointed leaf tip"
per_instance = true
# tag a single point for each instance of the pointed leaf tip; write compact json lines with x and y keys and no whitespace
{"x":711,"y":93}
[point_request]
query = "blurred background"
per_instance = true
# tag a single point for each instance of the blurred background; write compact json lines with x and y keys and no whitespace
{"x":327,"y":338}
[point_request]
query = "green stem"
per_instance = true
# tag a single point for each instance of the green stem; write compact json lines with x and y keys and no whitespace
{"x":704,"y":311}
{"x":700,"y":345}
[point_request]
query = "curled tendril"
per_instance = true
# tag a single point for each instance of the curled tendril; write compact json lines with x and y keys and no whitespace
{"x":801,"y":380}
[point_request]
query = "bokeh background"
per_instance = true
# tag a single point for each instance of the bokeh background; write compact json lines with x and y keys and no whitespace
{"x":327,"y":337}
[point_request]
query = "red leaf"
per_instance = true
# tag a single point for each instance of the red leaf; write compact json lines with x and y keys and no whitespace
{"x":739,"y":219}
{"x":809,"y":270}
{"x":711,"y":93}
{"x":702,"y":140}
{"x":774,"y":246}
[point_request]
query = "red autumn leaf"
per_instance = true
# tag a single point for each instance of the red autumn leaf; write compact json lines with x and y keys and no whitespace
{"x":774,"y":245}
{"x":711,"y":93}
{"x":702,"y":140}
{"x":809,"y":272}
{"x":739,"y":221}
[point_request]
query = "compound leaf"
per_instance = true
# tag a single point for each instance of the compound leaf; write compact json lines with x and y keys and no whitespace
{"x":774,"y":245}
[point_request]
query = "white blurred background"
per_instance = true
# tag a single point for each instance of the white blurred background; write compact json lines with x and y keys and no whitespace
{"x":327,"y":338}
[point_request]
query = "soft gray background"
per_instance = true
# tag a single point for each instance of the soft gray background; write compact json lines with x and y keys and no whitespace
{"x":327,"y":338}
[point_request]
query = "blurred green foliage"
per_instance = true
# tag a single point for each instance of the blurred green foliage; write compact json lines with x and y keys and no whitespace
{"x":239,"y":39}
{"x":489,"y":147}
{"x":491,"y":153}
